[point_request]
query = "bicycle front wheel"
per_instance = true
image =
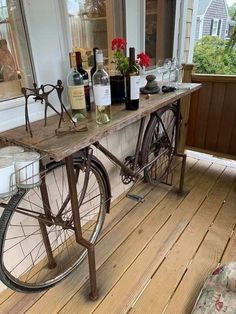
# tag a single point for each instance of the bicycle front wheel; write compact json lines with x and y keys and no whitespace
{"x":158,"y":145}
{"x":24,"y":263}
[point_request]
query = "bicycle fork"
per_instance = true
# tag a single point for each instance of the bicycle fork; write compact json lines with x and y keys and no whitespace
{"x":76,"y":218}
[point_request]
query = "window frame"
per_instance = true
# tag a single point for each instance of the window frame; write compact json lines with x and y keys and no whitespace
{"x":214,"y":28}
{"x":179,"y":30}
{"x":18,"y":101}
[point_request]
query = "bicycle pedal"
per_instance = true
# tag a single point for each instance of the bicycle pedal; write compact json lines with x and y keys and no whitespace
{"x":136,"y":198}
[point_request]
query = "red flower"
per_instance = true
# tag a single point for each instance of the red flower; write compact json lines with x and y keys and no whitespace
{"x":144,"y":60}
{"x":118,"y":43}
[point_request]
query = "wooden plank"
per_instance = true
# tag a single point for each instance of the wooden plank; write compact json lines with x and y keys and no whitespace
{"x":59,"y":147}
{"x":125,"y":256}
{"x":118,"y":211}
{"x":62,"y":293}
{"x":21,"y":302}
{"x":228,"y":116}
{"x":212,"y":78}
{"x":202,"y":115}
{"x":191,"y":124}
{"x":214,"y":116}
{"x":232,"y":149}
{"x":138,"y":275}
{"x":205,"y":260}
{"x":230,"y":250}
{"x":168,"y":275}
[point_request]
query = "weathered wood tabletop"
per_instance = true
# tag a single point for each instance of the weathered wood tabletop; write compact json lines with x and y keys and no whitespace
{"x":46,"y":142}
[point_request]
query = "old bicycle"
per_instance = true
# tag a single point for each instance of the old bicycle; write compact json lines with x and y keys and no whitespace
{"x":47,"y":230}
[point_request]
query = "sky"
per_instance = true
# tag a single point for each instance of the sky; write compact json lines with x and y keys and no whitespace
{"x":230,"y":2}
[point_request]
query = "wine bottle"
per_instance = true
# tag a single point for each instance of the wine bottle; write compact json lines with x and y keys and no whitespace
{"x":85,"y":79}
{"x":76,"y":92}
{"x":132,"y":79}
{"x":101,"y":91}
{"x":94,"y":67}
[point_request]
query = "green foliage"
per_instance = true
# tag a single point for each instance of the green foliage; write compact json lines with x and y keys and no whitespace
{"x":212,"y":57}
{"x":232,"y":42}
{"x":121,"y":61}
{"x":232,"y":11}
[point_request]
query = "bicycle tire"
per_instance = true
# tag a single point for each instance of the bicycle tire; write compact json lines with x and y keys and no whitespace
{"x":158,"y":144}
{"x":19,"y":282}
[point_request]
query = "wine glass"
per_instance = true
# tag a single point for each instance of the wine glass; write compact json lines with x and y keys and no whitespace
{"x":160,"y":71}
{"x":167,"y":67}
{"x":178,"y":67}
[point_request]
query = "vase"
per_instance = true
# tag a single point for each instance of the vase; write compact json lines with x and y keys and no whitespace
{"x":117,"y":89}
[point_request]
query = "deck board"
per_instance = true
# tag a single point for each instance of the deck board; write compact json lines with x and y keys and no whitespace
{"x":166,"y":279}
{"x":165,"y":246}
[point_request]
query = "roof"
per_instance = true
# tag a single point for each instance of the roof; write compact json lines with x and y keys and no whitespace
{"x":202,"y":6}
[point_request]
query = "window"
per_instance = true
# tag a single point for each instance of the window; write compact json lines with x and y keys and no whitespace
{"x":159,"y":29}
{"x":15,"y":65}
{"x":91,"y":25}
{"x":216,"y":27}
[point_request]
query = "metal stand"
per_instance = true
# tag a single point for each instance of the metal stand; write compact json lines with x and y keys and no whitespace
{"x":78,"y":231}
{"x":183,"y":156}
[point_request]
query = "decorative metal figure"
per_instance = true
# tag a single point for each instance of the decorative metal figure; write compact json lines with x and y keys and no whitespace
{"x":42,"y":94}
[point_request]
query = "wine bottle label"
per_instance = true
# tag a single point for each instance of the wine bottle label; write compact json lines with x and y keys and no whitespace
{"x":134,"y":87}
{"x":76,"y":97}
{"x":102,"y":95}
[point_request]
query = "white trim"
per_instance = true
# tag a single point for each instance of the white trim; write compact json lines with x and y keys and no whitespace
{"x":182,"y":33}
{"x":215,"y":33}
{"x":13,"y":103}
{"x":193,"y":31}
{"x":221,"y":27}
{"x":201,"y":21}
{"x":177,"y":28}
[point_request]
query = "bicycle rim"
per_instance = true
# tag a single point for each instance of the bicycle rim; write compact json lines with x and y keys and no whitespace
{"x":24,"y":262}
{"x":158,"y":146}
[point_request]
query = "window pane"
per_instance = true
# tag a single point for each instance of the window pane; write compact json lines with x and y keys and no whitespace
{"x":159,"y":30}
{"x":88,"y":24}
{"x":15,"y":65}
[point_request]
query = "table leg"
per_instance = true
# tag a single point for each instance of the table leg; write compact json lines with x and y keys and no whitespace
{"x":183,"y":156}
{"x":78,"y":230}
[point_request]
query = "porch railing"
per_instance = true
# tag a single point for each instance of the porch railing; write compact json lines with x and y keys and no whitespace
{"x":211,"y":120}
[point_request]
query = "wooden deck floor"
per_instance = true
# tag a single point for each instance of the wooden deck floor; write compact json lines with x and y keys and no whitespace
{"x":152,"y":257}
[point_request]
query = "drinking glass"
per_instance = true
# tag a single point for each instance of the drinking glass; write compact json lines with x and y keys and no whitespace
{"x":167,"y":67}
{"x":160,"y":72}
{"x":179,"y":72}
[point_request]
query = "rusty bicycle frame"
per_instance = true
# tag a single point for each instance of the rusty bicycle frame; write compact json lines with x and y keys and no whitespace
{"x":47,"y":219}
{"x":133,"y":173}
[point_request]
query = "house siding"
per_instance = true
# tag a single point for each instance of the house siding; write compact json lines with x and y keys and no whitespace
{"x":217,"y":10}
{"x":197,"y":32}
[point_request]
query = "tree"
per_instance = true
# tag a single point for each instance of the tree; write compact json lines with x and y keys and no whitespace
{"x":212,"y":57}
{"x":232,"y":10}
{"x":232,"y":42}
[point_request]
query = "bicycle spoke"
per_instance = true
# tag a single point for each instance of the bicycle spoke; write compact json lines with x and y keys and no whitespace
{"x":23,"y":232}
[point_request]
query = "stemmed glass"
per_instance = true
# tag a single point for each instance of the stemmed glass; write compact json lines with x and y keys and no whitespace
{"x":160,"y":71}
{"x":167,"y":67}
{"x":177,"y":69}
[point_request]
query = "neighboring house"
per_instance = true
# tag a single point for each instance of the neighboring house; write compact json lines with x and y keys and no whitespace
{"x":212,"y":19}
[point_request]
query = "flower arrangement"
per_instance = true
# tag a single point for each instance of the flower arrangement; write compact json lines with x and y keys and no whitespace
{"x":121,"y":61}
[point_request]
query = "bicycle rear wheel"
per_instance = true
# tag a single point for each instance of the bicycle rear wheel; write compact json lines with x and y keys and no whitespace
{"x":24,"y":261}
{"x":158,"y":145}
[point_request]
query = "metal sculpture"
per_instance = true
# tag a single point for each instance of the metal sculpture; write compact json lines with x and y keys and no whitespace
{"x":42,"y":94}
